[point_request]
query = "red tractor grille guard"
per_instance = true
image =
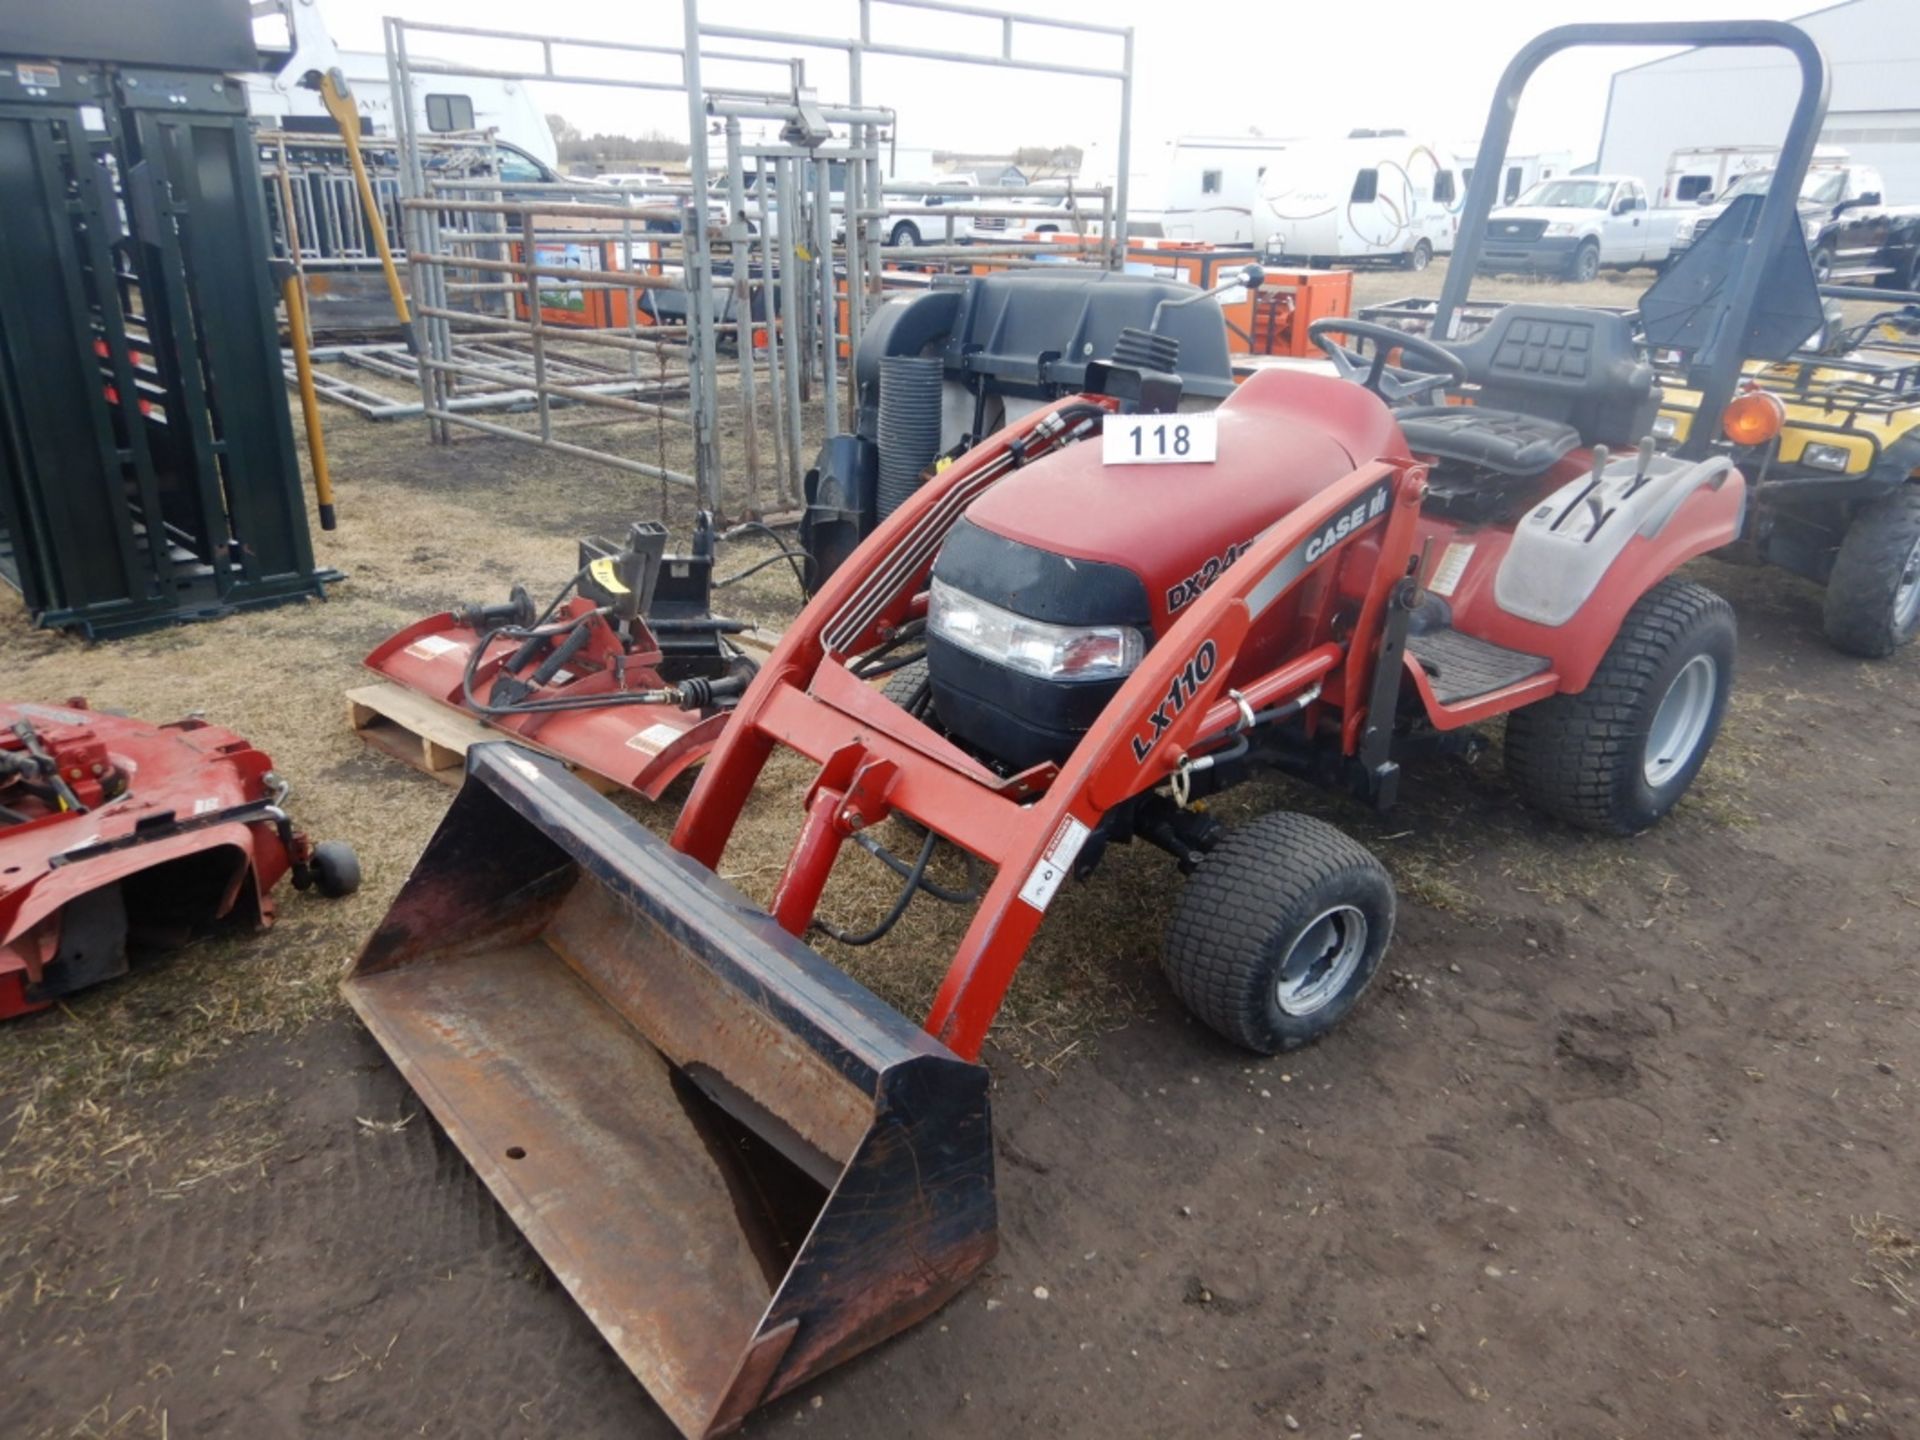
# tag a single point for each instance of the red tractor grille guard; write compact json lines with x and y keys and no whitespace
{"x":876,"y":759}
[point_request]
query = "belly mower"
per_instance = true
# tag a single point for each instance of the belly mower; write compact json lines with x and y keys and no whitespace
{"x":118,"y":838}
{"x":744,"y":1166}
{"x":627,"y":672}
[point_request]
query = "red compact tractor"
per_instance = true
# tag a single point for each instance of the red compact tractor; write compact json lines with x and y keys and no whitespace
{"x":118,"y":838}
{"x":745,"y":1166}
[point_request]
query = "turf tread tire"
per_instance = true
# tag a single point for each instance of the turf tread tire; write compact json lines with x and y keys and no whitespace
{"x":903,"y":684}
{"x":1254,"y":891}
{"x":1859,"y":615}
{"x":1580,"y":757}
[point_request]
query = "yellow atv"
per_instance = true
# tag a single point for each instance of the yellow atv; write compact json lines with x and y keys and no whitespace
{"x":1834,"y":439}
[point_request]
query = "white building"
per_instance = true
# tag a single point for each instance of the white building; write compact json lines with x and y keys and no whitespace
{"x":1736,"y":97}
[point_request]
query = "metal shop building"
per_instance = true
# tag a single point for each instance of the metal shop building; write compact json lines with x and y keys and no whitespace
{"x":1703,"y":98}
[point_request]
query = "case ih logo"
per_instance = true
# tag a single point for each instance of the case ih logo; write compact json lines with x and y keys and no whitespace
{"x":1189,"y":589}
{"x":1366,"y":508}
{"x":1185,"y":685}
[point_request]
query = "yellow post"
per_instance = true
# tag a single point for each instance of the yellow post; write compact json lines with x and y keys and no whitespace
{"x":339,"y":102}
{"x":309,"y":400}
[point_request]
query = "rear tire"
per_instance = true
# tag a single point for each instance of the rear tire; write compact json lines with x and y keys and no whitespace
{"x":1620,"y":754}
{"x":1586,"y":263}
{"x":1279,"y":932}
{"x":906,"y":233}
{"x":1417,"y":258}
{"x":1873,"y":594}
{"x":1822,"y":265}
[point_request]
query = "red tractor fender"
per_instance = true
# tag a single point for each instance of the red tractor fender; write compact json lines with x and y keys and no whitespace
{"x":1705,"y":520}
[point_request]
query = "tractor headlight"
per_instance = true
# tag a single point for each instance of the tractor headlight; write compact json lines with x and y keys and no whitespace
{"x":1826,"y":457}
{"x":1052,"y":652}
{"x":1562,"y":227}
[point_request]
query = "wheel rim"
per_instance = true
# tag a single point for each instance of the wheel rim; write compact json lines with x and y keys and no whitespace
{"x":1680,"y":723}
{"x":1321,"y":961}
{"x":1906,"y":598}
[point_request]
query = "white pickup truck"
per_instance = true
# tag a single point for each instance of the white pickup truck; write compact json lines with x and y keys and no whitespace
{"x":1575,"y":225}
{"x":922,"y":219}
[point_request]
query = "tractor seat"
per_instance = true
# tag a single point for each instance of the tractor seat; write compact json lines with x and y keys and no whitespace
{"x":1546,"y":378}
{"x":1503,"y":441}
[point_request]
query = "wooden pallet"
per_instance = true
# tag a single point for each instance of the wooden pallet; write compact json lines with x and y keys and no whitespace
{"x":414,"y":730}
{"x":434,"y":738}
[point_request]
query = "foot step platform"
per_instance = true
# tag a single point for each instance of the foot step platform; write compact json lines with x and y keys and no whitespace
{"x":1461,"y":667}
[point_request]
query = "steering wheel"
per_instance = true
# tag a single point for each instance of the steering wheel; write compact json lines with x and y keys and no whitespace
{"x":1395,"y":384}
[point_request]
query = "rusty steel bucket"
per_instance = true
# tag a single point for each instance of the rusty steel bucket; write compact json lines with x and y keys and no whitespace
{"x":743,"y":1165}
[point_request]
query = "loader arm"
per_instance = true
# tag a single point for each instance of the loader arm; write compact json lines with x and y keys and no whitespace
{"x":1033,"y":825}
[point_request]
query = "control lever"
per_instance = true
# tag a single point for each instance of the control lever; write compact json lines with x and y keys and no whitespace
{"x":1422,"y":573}
{"x":1645,"y":470}
{"x":1601,"y":458}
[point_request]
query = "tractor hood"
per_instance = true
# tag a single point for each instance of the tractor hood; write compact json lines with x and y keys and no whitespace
{"x":1061,"y":576}
{"x":1284,"y":436}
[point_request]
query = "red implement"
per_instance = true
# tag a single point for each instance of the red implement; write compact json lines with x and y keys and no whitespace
{"x":643,"y":746}
{"x":631,"y":678}
{"x":118,"y":837}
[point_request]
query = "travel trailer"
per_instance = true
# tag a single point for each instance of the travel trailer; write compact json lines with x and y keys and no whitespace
{"x":293,"y":37}
{"x":1375,"y":195}
{"x":1196,"y":187}
{"x":1522,"y":171}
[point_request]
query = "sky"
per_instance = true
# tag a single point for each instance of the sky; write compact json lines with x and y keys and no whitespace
{"x":1201,"y":67}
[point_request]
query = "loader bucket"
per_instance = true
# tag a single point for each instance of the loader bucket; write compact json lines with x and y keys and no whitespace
{"x":744,"y":1166}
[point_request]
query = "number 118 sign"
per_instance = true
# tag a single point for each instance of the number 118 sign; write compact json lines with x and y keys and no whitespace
{"x":1159,"y":439}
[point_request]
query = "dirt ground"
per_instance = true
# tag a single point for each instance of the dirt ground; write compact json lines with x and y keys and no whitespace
{"x":1622,"y":1146}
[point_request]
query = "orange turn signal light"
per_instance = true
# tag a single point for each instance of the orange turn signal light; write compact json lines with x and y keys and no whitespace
{"x":1753,"y":418}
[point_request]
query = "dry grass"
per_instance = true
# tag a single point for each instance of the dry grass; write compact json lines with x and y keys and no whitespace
{"x":1893,"y":1255}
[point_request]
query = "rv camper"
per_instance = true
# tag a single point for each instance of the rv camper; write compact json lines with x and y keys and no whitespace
{"x":1521,"y":172}
{"x":1375,"y":195}
{"x":294,"y":41}
{"x":1200,"y":187}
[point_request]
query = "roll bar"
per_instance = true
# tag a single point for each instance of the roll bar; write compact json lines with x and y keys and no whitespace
{"x":1716,"y":370}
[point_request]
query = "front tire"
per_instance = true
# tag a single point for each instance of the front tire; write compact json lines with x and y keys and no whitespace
{"x":1822,"y":265}
{"x":1619,"y":755}
{"x":903,"y":235}
{"x":1586,"y":263}
{"x":1279,"y":932}
{"x":1873,"y":594}
{"x":1419,"y":257}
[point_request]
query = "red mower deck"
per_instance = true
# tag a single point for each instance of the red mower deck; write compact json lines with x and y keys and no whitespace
{"x":122,"y":837}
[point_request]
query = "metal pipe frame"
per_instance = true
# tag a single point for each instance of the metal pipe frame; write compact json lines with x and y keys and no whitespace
{"x":855,"y":48}
{"x":427,"y":203}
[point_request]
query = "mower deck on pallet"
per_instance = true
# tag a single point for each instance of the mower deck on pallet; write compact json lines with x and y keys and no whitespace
{"x":118,"y":837}
{"x":627,"y":674}
{"x":747,"y":1168}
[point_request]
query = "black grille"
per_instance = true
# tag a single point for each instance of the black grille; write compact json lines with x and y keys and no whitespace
{"x":1516,"y":229}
